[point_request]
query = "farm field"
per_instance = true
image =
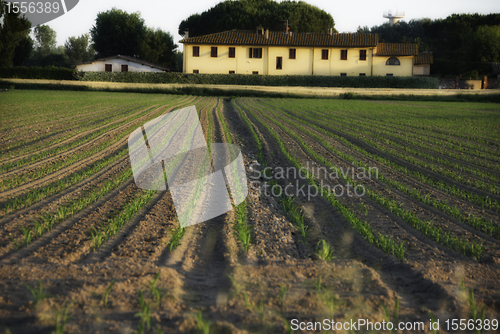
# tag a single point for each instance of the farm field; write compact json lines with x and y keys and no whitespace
{"x":378,"y":210}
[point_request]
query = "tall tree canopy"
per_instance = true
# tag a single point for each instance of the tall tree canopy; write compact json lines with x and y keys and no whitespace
{"x":118,"y":32}
{"x":158,"y":47}
{"x":249,"y":14}
{"x":13,"y":30}
{"x":460,"y":43}
{"x":45,"y":40}
{"x":78,"y":49}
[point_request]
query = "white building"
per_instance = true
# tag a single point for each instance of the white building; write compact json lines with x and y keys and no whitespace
{"x":120,"y":63}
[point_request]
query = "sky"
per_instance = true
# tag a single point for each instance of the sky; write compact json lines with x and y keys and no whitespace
{"x":348,"y":15}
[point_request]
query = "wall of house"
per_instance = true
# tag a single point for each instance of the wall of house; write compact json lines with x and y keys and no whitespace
{"x":222,"y":64}
{"x":308,"y":61}
{"x":99,"y":66}
{"x":335,"y":66}
{"x":301,"y":65}
{"x":403,"y":70}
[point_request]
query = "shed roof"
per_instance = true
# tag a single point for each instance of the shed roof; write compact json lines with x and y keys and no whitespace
{"x":132,"y":59}
{"x":281,"y":38}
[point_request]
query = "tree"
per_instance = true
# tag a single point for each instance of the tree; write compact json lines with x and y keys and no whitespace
{"x":249,"y":14}
{"x":45,"y":40}
{"x":78,"y":49}
{"x":483,"y":45}
{"x":159,"y":47}
{"x":118,"y":32}
{"x":23,"y":51}
{"x":13,"y":29}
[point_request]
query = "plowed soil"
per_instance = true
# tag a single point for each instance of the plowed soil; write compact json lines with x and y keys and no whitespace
{"x":208,"y":280}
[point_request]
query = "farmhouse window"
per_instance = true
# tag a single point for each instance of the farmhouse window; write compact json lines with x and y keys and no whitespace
{"x":343,"y":54}
{"x":324,"y":54}
{"x":196,"y":51}
{"x":279,"y":63}
{"x":292,"y":53}
{"x":343,"y":74}
{"x":393,"y":61}
{"x":362,"y":54}
{"x":231,"y":72}
{"x":389,"y":74}
{"x":232,"y":52}
{"x":362,"y":74}
{"x":255,"y":53}
{"x":124,"y":68}
{"x":255,"y":72}
{"x":213,"y":52}
{"x":196,"y":71}
{"x":108,"y":68}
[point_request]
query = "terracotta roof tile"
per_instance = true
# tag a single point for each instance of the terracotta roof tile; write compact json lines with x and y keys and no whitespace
{"x":424,"y":58}
{"x":280,"y":38}
{"x":397,"y":49}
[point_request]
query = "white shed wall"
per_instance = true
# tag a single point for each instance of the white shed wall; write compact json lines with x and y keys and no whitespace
{"x":98,"y":66}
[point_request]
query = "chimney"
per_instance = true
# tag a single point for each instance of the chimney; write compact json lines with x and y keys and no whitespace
{"x":267,"y":34}
{"x":186,"y":33}
{"x":330,"y":31}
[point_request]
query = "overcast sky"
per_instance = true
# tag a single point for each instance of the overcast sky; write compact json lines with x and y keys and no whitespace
{"x":348,"y":15}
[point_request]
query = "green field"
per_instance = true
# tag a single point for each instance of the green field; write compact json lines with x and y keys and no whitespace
{"x":82,"y":249}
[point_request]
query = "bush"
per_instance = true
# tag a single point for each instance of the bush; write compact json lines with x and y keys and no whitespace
{"x":262,"y":80}
{"x":33,"y":72}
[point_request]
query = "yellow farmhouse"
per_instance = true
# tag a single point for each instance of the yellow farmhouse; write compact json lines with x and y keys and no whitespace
{"x":286,"y":53}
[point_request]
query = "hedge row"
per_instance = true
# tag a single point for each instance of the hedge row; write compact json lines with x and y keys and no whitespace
{"x":262,"y":80}
{"x":33,"y":72}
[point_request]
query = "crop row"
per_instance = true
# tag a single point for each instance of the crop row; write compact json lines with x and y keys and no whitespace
{"x":22,"y":178}
{"x":459,"y":244}
{"x":48,"y":220}
{"x":478,"y":223}
{"x":483,"y":201}
{"x":426,"y":141}
{"x":353,"y":131}
{"x":397,"y":120}
{"x":292,"y":210}
{"x":375,"y":238}
{"x":387,"y":137}
{"x":242,"y":230}
{"x":77,"y":142}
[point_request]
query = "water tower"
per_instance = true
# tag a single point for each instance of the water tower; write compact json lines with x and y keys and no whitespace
{"x":394,"y":18}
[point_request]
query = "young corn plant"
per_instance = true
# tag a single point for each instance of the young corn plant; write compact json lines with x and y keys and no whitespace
{"x":325,"y":251}
{"x":331,"y":300}
{"x":243,"y":231}
{"x":202,"y":324}
{"x":475,"y":314}
{"x":236,"y":286}
{"x":175,"y":240}
{"x":281,"y":296}
{"x":63,"y":316}
{"x":27,"y":234}
{"x":97,"y":238}
{"x":156,"y":292}
{"x":144,"y":315}
{"x":394,"y":315}
{"x":105,"y":295}
{"x":37,"y":293}
{"x":288,"y":327}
